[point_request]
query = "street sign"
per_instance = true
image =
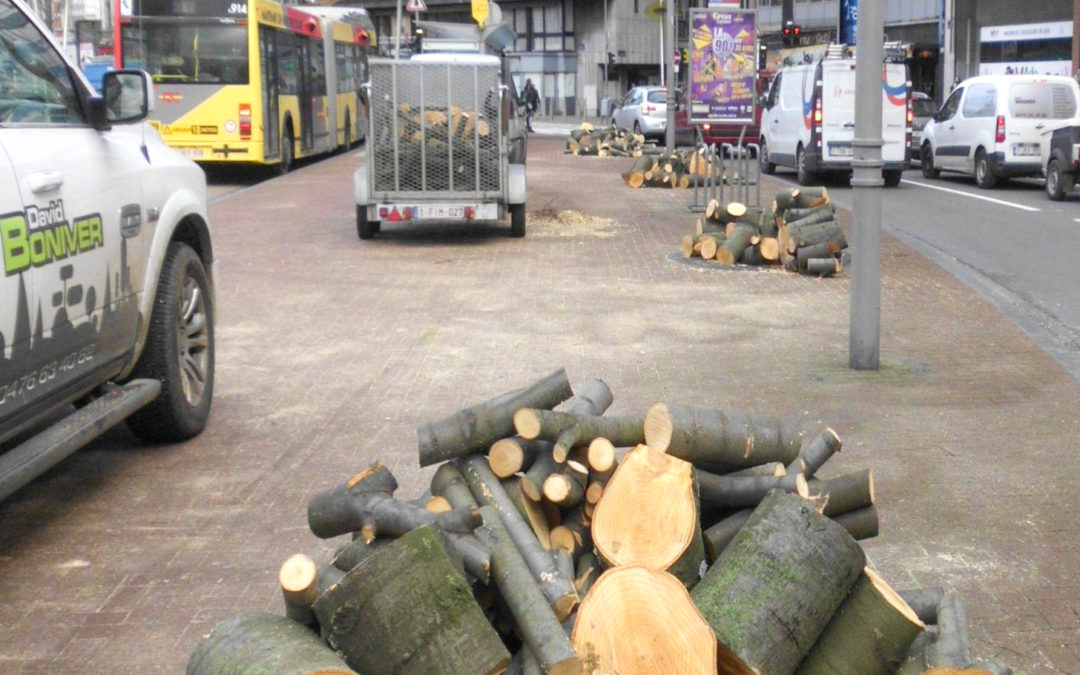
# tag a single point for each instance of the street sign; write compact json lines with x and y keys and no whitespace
{"x":416,"y":6}
{"x":480,"y":12}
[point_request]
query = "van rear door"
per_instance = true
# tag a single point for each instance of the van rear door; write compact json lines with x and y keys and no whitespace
{"x":1034,"y":106}
{"x":894,"y":107}
{"x":837,"y":111}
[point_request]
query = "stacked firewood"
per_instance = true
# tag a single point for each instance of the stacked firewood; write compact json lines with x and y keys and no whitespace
{"x":799,"y":231}
{"x":609,"y":141}
{"x":706,"y":542}
{"x":678,"y":169}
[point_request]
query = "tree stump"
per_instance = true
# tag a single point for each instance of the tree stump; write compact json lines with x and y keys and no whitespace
{"x":648,"y":516}
{"x":406,"y":609}
{"x":264,"y":643}
{"x":636,"y":620}
{"x":775,"y":587}
{"x":869,"y":634}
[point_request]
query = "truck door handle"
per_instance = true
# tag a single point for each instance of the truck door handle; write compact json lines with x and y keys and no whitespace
{"x":45,"y":181}
{"x":951,"y":128}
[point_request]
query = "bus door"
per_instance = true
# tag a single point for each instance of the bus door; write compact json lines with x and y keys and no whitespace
{"x":307,"y":95}
{"x":270,"y":92}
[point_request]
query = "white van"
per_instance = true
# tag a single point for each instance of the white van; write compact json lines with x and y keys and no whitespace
{"x":992,"y":126}
{"x":809,"y":118}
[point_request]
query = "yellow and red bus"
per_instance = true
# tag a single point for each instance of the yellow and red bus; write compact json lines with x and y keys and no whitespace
{"x":249,"y":81}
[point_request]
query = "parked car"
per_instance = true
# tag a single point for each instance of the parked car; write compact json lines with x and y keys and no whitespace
{"x":809,"y":119}
{"x":108,"y":264}
{"x":992,"y":126}
{"x":1060,"y":159}
{"x":643,"y":110}
{"x":922,"y":109}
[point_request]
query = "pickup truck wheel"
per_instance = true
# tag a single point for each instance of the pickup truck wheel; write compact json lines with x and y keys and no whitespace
{"x":365,"y":228}
{"x":926,"y":162}
{"x":179,"y":351}
{"x":1058,"y":183}
{"x":984,"y":177}
{"x":517,"y":220}
{"x":767,"y":167}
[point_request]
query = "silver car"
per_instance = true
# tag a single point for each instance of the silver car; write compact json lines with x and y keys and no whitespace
{"x":644,"y":110}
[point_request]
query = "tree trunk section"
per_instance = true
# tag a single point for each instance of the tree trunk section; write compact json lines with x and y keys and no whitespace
{"x":336,"y":512}
{"x":264,"y":643}
{"x":720,"y":441}
{"x":869,"y":634}
{"x":739,"y":491}
{"x":476,"y":428}
{"x":508,"y":456}
{"x":406,"y":609}
{"x":299,"y":588}
{"x":637,"y":620}
{"x":735,"y":244}
{"x":628,"y":528}
{"x":570,"y":430}
{"x":772,"y":591}
{"x":845,"y":493}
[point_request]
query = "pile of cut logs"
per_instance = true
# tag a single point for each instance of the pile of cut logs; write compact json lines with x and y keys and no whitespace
{"x":799,"y":231}
{"x":607,"y":142}
{"x":706,"y":544}
{"x":679,"y":169}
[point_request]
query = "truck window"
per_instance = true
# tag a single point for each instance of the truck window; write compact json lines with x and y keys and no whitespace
{"x":36,"y":87}
{"x":1042,"y":100}
{"x":791,"y":92}
{"x":952,"y":104}
{"x":981,"y":101}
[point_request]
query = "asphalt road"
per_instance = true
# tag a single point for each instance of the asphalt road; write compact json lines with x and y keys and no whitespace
{"x":1012,"y":245}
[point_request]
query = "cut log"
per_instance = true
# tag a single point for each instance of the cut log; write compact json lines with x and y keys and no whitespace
{"x":925,"y":602}
{"x":356,"y":551}
{"x":567,"y":487}
{"x":438,"y":504}
{"x":815,"y":452}
{"x":539,"y":626}
{"x":787,"y":571}
{"x":734,"y":245}
{"x":448,"y":482}
{"x":477,"y":427}
{"x":953,"y":640}
{"x":558,"y":590}
{"x":740,"y":491}
{"x":406,"y":609}
{"x":710,"y":244}
{"x":573,"y":535}
{"x":712,"y":439}
{"x":751,"y":255}
{"x":821,"y":214}
{"x":691,"y":244}
{"x":532,"y":483}
{"x":375,"y":478}
{"x":629,"y":529}
{"x":601,"y":456}
{"x":637,"y":620}
{"x":299,"y":588}
{"x":570,"y":430}
{"x":264,"y":643}
{"x":336,"y":512}
{"x":508,"y":456}
{"x":869,"y":634}
{"x":587,"y":570}
{"x":530,"y":510}
{"x":770,"y":248}
{"x":860,"y":523}
{"x":820,"y":267}
{"x":845,"y":493}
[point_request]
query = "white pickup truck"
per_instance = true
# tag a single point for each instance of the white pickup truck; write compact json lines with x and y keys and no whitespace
{"x":108,"y":268}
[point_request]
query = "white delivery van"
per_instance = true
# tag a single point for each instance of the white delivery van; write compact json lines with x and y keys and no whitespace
{"x":809,"y":118}
{"x":992,"y":126}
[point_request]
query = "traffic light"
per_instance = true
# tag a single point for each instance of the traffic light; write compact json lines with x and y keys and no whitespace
{"x":611,"y":58}
{"x":791,"y":33}
{"x":685,"y":57}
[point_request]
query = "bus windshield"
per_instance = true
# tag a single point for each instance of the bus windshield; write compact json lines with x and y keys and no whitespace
{"x":196,"y":52}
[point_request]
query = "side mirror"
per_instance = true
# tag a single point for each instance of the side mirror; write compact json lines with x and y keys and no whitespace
{"x":127,"y":96}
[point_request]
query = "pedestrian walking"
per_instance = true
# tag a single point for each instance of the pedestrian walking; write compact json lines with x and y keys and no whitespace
{"x":530,"y":100}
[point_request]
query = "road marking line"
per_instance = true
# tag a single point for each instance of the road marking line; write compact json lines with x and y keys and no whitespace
{"x":968,"y":194}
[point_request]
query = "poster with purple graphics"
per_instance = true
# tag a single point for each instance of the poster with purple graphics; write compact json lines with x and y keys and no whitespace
{"x":723,"y":66}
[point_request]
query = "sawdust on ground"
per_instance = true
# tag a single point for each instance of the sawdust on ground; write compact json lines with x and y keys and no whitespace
{"x":552,"y":223}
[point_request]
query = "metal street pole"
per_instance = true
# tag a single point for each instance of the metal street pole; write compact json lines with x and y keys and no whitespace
{"x":864,"y":339}
{"x":397,"y":31}
{"x":669,"y":66}
{"x":607,"y":62}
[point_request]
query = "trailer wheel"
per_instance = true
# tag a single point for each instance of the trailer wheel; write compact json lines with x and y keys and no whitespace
{"x":365,"y":228}
{"x":1058,"y":183}
{"x":892,"y":177}
{"x":517,"y":220}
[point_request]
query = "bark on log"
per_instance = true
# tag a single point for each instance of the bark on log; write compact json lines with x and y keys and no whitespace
{"x":558,"y":590}
{"x":739,"y":491}
{"x":637,"y":620}
{"x":860,"y":523}
{"x":530,"y":510}
{"x":336,"y":512}
{"x":715,"y":440}
{"x":375,"y":478}
{"x":298,"y":579}
{"x":477,"y":427}
{"x":448,"y":482}
{"x":532,"y":483}
{"x":587,"y":570}
{"x":733,"y":246}
{"x":787,"y":571}
{"x":539,"y":626}
{"x":797,"y":217}
{"x":629,"y":529}
{"x":264,"y":643}
{"x":508,"y":456}
{"x":869,"y":634}
{"x":570,"y":430}
{"x":845,"y":493}
{"x":356,"y":551}
{"x":815,"y":452}
{"x":573,"y":534}
{"x":953,"y":640}
{"x":406,"y":609}
{"x":820,"y":267}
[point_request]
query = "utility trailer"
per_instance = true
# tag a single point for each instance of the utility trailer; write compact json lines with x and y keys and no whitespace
{"x":442,"y":144}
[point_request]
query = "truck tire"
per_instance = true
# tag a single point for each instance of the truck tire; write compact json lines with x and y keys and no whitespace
{"x":984,"y":175}
{"x":1058,"y":183}
{"x":767,"y":167}
{"x":802,"y":174}
{"x":517,"y":220}
{"x":365,"y":228}
{"x":926,"y":162}
{"x":179,"y":351}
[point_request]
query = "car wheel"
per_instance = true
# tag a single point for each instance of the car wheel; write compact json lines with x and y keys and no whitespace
{"x":892,"y":177}
{"x":286,"y":152}
{"x":179,"y":351}
{"x":365,"y":228}
{"x":637,"y":127}
{"x":926,"y":161}
{"x":765,"y":165}
{"x":803,"y":175}
{"x":984,"y":177}
{"x":1058,"y":183}
{"x":517,"y":220}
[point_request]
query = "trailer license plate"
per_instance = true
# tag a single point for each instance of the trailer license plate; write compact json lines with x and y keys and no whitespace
{"x":840,"y":151}
{"x":1025,"y":149}
{"x":456,"y":212}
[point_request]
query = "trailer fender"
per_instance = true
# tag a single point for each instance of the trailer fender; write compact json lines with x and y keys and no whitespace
{"x":360,"y":187}
{"x":515,"y":184}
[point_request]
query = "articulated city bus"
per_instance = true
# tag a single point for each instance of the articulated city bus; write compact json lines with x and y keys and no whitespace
{"x":250,"y":81}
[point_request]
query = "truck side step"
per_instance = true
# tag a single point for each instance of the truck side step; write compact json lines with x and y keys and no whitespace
{"x":38,"y":454}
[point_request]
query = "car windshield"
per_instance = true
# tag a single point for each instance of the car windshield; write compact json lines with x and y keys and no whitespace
{"x":923,"y":107}
{"x":657,"y":96}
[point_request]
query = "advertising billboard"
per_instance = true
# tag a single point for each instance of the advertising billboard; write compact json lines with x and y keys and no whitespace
{"x":723,"y":65}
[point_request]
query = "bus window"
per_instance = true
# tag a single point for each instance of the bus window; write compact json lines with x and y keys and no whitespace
{"x":189,"y":52}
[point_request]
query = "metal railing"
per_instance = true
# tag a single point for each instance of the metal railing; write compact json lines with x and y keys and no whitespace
{"x":731,"y":171}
